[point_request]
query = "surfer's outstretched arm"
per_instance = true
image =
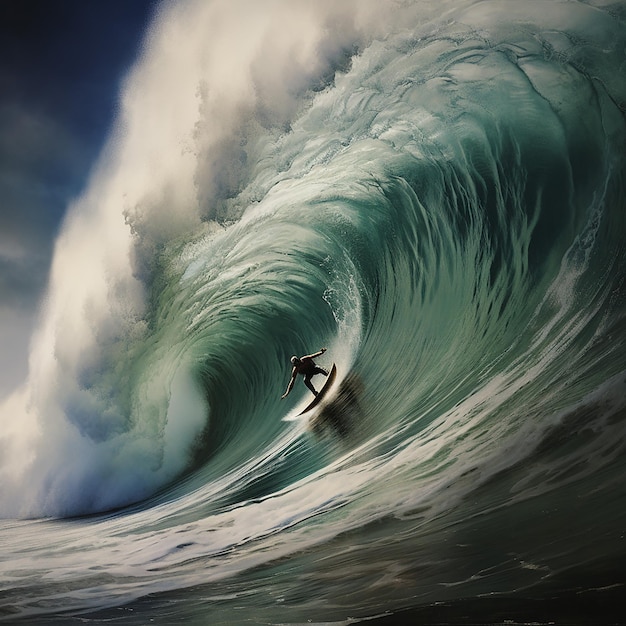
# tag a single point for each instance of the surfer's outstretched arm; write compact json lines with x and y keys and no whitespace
{"x":313,"y":356}
{"x":294,"y":373}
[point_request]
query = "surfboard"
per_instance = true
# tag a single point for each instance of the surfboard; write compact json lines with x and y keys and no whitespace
{"x":330,"y":379}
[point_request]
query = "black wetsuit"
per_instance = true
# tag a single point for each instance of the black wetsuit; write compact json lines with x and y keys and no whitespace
{"x":308,"y":369}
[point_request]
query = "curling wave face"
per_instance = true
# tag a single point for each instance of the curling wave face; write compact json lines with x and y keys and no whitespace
{"x":436,"y":194}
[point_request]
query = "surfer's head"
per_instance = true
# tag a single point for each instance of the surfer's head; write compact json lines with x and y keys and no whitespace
{"x":294,"y":360}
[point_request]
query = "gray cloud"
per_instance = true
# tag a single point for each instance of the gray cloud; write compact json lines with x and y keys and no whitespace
{"x":38,"y":160}
{"x":60,"y":68}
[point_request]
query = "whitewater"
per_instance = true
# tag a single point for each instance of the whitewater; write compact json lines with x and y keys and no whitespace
{"x":434,"y":191}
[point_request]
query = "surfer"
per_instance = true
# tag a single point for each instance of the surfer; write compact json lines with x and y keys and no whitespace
{"x":306,"y":366}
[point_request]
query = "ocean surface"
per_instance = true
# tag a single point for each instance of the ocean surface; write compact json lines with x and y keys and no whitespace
{"x":435,"y":191}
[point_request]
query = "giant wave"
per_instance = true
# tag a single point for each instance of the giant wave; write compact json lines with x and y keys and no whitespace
{"x":433,"y":191}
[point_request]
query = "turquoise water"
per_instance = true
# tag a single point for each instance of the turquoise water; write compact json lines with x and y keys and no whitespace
{"x":434,"y":192}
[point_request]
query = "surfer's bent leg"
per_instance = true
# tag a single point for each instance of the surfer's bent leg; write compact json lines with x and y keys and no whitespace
{"x":309,"y":384}
{"x":320,"y":370}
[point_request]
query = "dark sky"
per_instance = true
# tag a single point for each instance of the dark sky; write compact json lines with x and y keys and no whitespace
{"x":61,"y":66}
